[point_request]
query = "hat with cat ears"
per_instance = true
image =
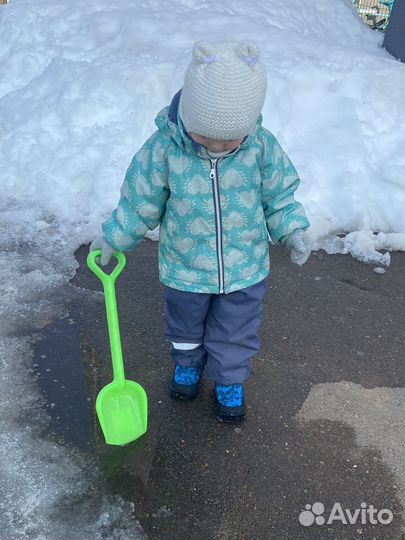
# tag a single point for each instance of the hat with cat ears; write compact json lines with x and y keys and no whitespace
{"x":224,"y":90}
{"x":207,"y":53}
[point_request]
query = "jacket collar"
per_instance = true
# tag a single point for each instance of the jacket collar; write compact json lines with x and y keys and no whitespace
{"x":169,"y":121}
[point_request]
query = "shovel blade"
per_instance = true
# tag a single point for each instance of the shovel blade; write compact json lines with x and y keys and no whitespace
{"x":122,"y":410}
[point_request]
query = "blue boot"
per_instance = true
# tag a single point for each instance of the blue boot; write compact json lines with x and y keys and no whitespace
{"x":230,"y":403}
{"x":185,"y":382}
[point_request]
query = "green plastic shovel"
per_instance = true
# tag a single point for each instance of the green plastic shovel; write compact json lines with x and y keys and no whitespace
{"x":122,"y":405}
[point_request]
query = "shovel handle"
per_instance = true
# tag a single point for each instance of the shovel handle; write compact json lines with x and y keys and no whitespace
{"x":106,"y":278}
{"x":108,"y":281}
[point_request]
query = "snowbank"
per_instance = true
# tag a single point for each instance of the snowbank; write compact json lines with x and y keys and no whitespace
{"x":80,"y":85}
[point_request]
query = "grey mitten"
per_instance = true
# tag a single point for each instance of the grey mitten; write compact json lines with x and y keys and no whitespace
{"x":106,"y":250}
{"x":300,"y":245}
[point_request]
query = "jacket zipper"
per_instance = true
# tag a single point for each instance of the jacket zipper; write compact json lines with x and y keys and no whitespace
{"x":217,"y":206}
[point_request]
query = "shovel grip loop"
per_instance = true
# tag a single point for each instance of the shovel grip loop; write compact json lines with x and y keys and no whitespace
{"x":106,"y":278}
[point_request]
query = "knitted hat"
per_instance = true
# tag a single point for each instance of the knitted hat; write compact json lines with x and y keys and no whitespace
{"x":224,"y":90}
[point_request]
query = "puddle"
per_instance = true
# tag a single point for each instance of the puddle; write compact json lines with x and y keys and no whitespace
{"x":61,"y":375}
{"x":69,"y":377}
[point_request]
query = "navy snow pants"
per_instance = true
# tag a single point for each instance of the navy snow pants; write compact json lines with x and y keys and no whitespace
{"x":223,"y":328}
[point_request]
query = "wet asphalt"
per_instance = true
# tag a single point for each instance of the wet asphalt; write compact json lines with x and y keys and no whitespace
{"x":330,"y":327}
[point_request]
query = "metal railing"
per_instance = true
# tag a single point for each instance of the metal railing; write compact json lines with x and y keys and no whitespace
{"x":375,"y":13}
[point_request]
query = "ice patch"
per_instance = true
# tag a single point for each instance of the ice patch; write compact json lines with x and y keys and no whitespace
{"x":47,"y":491}
{"x":379,"y":270}
{"x":363,"y":245}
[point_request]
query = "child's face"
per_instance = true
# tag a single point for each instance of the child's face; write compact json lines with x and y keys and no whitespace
{"x":213,"y":145}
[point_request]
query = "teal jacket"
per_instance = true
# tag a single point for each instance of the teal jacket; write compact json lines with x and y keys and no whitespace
{"x":215,"y":215}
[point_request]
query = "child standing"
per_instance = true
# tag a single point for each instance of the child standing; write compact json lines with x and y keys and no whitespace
{"x":218,"y":183}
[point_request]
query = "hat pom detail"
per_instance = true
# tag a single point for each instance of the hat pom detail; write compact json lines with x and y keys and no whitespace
{"x":203,"y":53}
{"x":249,"y":52}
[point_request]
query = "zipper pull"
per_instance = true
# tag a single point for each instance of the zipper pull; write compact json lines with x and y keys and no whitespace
{"x":212,"y":171}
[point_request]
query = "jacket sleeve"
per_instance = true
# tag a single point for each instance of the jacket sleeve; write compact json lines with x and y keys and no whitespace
{"x":144,"y":193}
{"x":284,"y":215}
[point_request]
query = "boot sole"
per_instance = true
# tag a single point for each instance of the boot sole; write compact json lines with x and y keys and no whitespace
{"x":231,"y":419}
{"x":226,"y":414}
{"x":179,"y":391}
{"x":175,"y":394}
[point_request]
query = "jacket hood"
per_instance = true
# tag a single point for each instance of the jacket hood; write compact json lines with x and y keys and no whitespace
{"x":169,"y":121}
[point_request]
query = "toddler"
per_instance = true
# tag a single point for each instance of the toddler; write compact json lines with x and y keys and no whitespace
{"x":218,"y":184}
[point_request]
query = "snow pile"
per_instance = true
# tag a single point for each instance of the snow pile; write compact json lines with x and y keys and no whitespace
{"x":80,"y":85}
